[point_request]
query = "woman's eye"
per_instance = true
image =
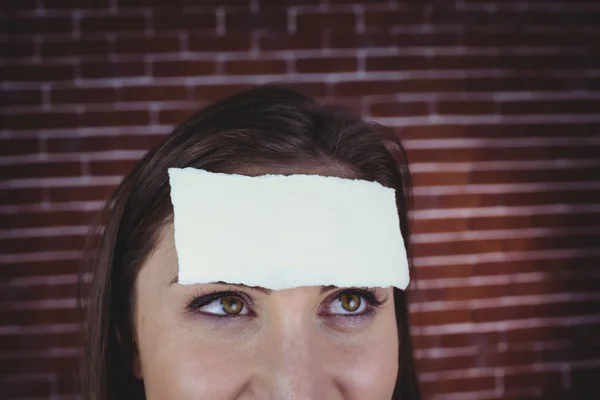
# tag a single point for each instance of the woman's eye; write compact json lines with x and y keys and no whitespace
{"x":226,"y":305}
{"x":347,"y":303}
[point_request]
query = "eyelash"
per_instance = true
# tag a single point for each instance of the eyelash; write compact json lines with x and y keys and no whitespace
{"x":200,"y":299}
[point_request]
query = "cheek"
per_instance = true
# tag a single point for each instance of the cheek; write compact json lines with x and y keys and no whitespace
{"x":375,"y":370}
{"x":368,"y":366}
{"x":178,"y":363}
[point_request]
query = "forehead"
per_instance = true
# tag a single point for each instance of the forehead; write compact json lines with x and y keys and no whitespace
{"x":161,"y":263}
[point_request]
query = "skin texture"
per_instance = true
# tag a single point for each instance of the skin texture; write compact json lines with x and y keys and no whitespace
{"x":293,"y":344}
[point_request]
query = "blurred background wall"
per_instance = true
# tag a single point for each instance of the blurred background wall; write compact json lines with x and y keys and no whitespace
{"x":498,"y":105}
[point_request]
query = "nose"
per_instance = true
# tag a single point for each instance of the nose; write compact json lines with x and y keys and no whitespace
{"x":293,"y":360}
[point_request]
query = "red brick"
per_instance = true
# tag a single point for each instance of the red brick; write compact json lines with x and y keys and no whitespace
{"x":440,"y":225}
{"x":326,"y":65}
{"x":453,"y":363}
{"x":175,"y":117}
{"x":502,"y":245}
{"x":111,"y":168}
{"x":29,"y":388}
{"x":480,"y":36}
{"x":453,"y":340}
{"x":40,"y":342}
{"x":367,"y":40}
{"x":79,"y":193}
{"x":371,"y":2}
{"x":548,"y":175}
{"x":265,"y":20}
{"x":551,"y":107}
{"x":68,"y":385}
{"x":78,"y":95}
{"x":429,"y":39}
{"x":40,"y":292}
{"x":509,"y":358}
{"x":184,"y":21}
{"x":398,"y":109}
{"x":315,"y":89}
{"x":38,"y":25}
{"x":535,"y":334}
{"x":116,"y":118}
{"x":40,"y":268}
{"x":147,"y":45}
{"x":584,"y":382}
{"x":505,"y":130}
{"x":546,"y":380}
{"x":535,"y":311}
{"x":459,"y":247}
{"x":508,"y":17}
{"x":381,"y":87}
{"x":557,"y":285}
{"x":388,"y":18}
{"x":71,"y":4}
{"x":560,"y":266}
{"x":396,"y":63}
{"x":582,"y":265}
{"x":183,"y":68}
{"x":17,"y":49}
{"x":20,"y":97}
{"x":75,"y":47}
{"x":115,"y":23}
{"x":216,"y":44}
{"x":279,"y":41}
{"x":214,"y":92}
{"x":462,"y":293}
{"x":153,"y":93}
{"x":254,"y":67}
{"x":40,"y":121}
{"x":37,"y":73}
{"x":178,"y":4}
{"x":506,"y":61}
{"x":530,"y":221}
{"x":429,"y":318}
{"x":440,"y":178}
{"x":41,"y":244}
{"x":39,"y":170}
{"x":461,"y":384}
{"x":501,"y":153}
{"x":11,"y":147}
{"x":101,"y":143}
{"x":311,"y":22}
{"x":95,"y":70}
{"x":20,"y":196}
{"x":22,"y":5}
{"x":37,"y":317}
{"x":457,"y":107}
{"x":446,"y":271}
{"x":45,"y":218}
{"x":43,"y":365}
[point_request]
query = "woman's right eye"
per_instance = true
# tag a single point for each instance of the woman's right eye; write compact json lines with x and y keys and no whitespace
{"x":225,"y":306}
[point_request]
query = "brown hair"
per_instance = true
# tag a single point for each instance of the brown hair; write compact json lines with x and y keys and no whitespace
{"x":270,"y":127}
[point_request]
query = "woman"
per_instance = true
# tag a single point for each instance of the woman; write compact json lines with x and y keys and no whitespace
{"x":144,"y":342}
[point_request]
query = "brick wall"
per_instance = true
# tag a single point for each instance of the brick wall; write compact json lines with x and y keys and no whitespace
{"x":498,"y":104}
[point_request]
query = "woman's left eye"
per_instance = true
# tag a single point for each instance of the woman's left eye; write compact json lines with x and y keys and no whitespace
{"x":226,"y":306}
{"x":347,"y":303}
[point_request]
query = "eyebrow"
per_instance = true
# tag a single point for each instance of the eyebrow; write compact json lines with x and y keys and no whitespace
{"x":259,"y":288}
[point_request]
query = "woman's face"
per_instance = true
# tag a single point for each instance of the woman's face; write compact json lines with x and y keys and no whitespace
{"x":225,"y":342}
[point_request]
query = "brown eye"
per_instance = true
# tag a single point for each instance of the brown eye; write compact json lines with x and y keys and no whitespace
{"x":350,"y":301}
{"x":231,"y":305}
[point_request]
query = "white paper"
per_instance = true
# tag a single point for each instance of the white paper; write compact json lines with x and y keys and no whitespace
{"x":280,"y":232}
